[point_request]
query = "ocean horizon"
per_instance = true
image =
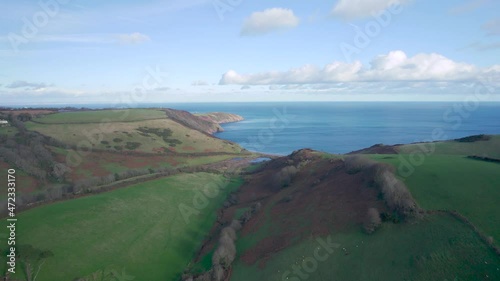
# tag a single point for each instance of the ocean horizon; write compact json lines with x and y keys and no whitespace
{"x":341,"y":127}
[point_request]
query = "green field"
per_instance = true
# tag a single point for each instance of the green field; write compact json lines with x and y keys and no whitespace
{"x":138,"y":230}
{"x":9,"y":131}
{"x":437,"y":248}
{"x":115,"y":136}
{"x":450,"y":182}
{"x":104,"y":116}
{"x":490,"y":148}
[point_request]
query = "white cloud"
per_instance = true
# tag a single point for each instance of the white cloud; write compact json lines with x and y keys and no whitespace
{"x":26,"y":85}
{"x":394,"y":66}
{"x":133,"y":38}
{"x":269,"y":20}
{"x":354,"y":9}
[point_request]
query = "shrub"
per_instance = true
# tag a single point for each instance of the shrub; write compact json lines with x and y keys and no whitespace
{"x":132,"y":145}
{"x":490,"y":240}
{"x":226,"y":251}
{"x":284,"y":177}
{"x":356,"y":163}
{"x":372,"y":220}
{"x":474,"y":138}
{"x":396,"y":195}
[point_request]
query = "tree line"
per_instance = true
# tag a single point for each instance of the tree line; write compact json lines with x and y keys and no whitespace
{"x":395,"y":193}
{"x":28,"y":151}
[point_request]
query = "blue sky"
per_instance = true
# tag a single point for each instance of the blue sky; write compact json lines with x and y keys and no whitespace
{"x":75,"y":51}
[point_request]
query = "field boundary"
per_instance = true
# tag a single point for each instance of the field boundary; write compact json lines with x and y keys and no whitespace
{"x":455,"y":214}
{"x":485,"y":159}
{"x":210,"y":168}
{"x":108,"y":121}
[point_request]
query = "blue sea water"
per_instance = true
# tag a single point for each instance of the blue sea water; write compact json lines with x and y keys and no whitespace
{"x":341,"y":127}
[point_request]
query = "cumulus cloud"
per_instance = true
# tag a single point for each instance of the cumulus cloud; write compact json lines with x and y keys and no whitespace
{"x":394,"y":66}
{"x":26,"y":85}
{"x":269,"y":20}
{"x":355,"y":9}
{"x":133,"y":38}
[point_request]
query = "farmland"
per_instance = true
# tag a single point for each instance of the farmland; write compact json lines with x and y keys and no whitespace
{"x":104,"y":116}
{"x":488,"y":148}
{"x":454,"y":182}
{"x":438,"y":248}
{"x":169,"y":136}
{"x":10,"y":131}
{"x":139,"y":229}
{"x":325,"y":201}
{"x":115,"y":211}
{"x":98,"y":164}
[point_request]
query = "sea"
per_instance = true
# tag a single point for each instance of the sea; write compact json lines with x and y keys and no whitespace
{"x":341,"y":127}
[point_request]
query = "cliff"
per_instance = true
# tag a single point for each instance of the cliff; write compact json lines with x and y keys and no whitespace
{"x":221,"y":117}
{"x":207,"y":123}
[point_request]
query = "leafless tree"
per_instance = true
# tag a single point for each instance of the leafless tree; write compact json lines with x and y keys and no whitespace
{"x":372,"y":220}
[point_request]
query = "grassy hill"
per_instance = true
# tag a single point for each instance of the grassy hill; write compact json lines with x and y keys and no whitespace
{"x":139,"y":230}
{"x":437,"y":248}
{"x":451,"y":182}
{"x":489,"y":146}
{"x":105,"y":116}
{"x":56,"y":153}
{"x":150,"y":136}
{"x":142,"y":130}
{"x":408,"y":212}
{"x":327,"y":199}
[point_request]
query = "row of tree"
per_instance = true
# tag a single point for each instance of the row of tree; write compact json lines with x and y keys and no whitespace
{"x":225,"y":253}
{"x":395,"y":193}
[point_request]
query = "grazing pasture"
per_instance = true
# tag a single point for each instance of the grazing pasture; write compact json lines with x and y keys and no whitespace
{"x":436,"y":248}
{"x":451,"y":182}
{"x":151,"y":136}
{"x":104,"y":116}
{"x":139,"y":230}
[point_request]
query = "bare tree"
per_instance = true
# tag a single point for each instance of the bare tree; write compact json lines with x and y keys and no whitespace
{"x":356,"y":163}
{"x":372,"y":220}
{"x":285,"y":176}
